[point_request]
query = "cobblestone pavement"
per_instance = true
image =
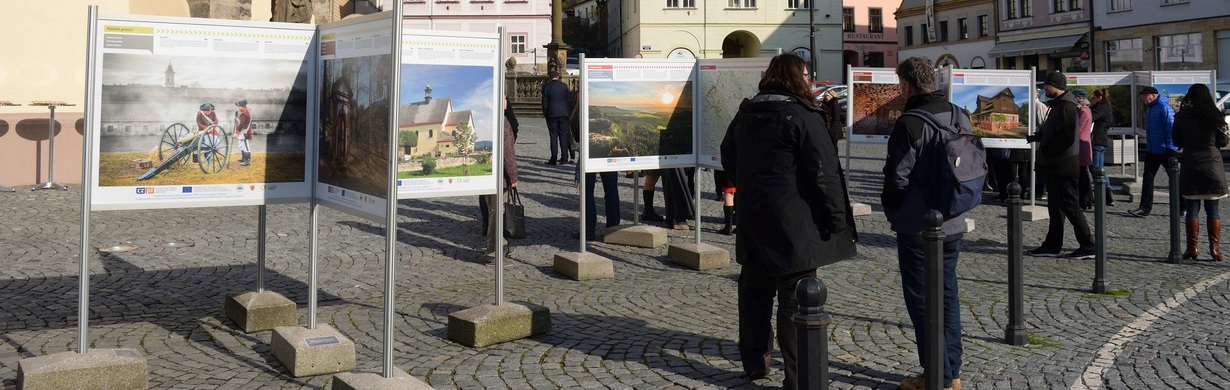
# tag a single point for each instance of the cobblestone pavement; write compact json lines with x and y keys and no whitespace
{"x":655,"y":325}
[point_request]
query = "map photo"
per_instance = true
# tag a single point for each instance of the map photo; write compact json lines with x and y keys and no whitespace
{"x":723,"y":86}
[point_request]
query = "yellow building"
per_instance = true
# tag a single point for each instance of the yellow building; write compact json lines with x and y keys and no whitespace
{"x":726,"y":29}
{"x":436,"y":123}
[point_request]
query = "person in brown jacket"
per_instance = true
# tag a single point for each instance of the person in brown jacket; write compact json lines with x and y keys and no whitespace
{"x":494,"y":229}
{"x":1200,"y":130}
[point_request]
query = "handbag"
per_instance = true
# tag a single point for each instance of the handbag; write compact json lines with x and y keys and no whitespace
{"x":1221,"y":137}
{"x":514,"y":216}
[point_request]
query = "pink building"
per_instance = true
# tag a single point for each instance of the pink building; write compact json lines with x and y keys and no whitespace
{"x":869,"y":33}
{"x":527,"y":23}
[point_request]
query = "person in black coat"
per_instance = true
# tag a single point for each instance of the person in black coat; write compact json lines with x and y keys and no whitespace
{"x":793,"y":208}
{"x":556,"y":110}
{"x":1199,"y":129}
{"x":1103,"y":118}
{"x":1059,"y":163}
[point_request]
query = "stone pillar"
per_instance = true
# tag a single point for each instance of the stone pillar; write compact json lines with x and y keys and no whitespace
{"x":557,"y":51}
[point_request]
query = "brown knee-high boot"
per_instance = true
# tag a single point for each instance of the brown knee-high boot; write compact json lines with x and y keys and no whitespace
{"x":1215,"y":239}
{"x":1193,"y":239}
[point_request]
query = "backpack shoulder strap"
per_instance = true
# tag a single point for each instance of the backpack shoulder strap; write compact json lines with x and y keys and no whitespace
{"x":930,"y":119}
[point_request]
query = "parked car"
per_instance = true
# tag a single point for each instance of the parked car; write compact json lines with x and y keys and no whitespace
{"x":572,"y":66}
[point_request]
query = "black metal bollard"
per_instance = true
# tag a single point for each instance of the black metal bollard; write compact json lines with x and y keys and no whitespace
{"x":1099,"y":231}
{"x":811,"y":325}
{"x":1015,"y":333}
{"x":933,"y":249}
{"x":1172,"y":167}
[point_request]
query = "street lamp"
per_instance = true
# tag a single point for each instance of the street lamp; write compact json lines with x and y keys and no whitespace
{"x":535,"y":51}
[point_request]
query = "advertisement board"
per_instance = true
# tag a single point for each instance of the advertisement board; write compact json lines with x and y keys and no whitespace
{"x":637,"y":114}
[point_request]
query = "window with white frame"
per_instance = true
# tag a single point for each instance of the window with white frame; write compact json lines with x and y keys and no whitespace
{"x":1027,"y":8}
{"x":741,"y":3}
{"x":1120,"y":5}
{"x":1010,"y":11}
{"x":875,"y":20}
{"x":1178,"y":52}
{"x":680,"y":3}
{"x":1125,"y":55}
{"x":847,"y":19}
{"x":1169,"y":2}
{"x":984,"y":25}
{"x":1074,"y":5}
{"x":1059,"y":6}
{"x":516,"y":44}
{"x":962,"y":28}
{"x":798,"y":4}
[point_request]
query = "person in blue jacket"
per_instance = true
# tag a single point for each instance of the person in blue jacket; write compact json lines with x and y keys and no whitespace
{"x":1159,"y":123}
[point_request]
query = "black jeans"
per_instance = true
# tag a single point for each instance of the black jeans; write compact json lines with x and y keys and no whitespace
{"x":1152,"y":163}
{"x":911,"y":260}
{"x":756,"y":290}
{"x":610,"y":194}
{"x":557,"y":128}
{"x":1062,"y":205}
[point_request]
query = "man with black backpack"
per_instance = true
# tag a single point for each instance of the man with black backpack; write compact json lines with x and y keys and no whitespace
{"x":919,"y":175}
{"x":1059,"y":162}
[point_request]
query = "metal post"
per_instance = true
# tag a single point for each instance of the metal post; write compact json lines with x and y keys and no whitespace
{"x":390,"y":193}
{"x":314,"y":210}
{"x":811,"y":326}
{"x":51,"y":184}
{"x":696,"y":190}
{"x":87,"y":157}
{"x":260,"y":249}
{"x":636,"y":199}
{"x":1172,"y":168}
{"x":1099,"y":231}
{"x":933,"y":248}
{"x":1015,"y":333}
{"x":500,"y":183}
{"x":811,"y":34}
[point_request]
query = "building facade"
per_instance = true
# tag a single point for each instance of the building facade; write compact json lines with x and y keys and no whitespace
{"x":869,"y":33}
{"x":1052,"y":35}
{"x":1162,"y":35}
{"x":726,"y":29}
{"x":964,"y":32}
{"x":527,"y":24}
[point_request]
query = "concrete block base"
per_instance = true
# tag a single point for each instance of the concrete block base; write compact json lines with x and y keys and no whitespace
{"x":490,"y":324}
{"x":861,"y":209}
{"x":1132,"y":187}
{"x":96,"y":369}
{"x":970,"y":224}
{"x":584,"y":266}
{"x":701,"y":257}
{"x":373,"y":380}
{"x":1159,"y":197}
{"x":255,"y":312}
{"x":641,"y":236}
{"x":307,"y":352}
{"x":1034,"y":213}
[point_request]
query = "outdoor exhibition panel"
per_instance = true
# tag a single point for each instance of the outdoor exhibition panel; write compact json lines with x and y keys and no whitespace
{"x":723,"y":84}
{"x":1118,"y":87}
{"x":1174,"y":84}
{"x":638,"y":114}
{"x":154,"y":145}
{"x":450,"y":117}
{"x":998,"y":101}
{"x":875,"y":103}
{"x":357,"y":81}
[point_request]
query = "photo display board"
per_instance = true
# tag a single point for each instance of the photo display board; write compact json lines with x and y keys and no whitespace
{"x":155,"y":145}
{"x":723,"y":84}
{"x":450,"y":114}
{"x":638,"y":114}
{"x":875,"y":103}
{"x":1118,"y":87}
{"x":356,"y":68}
{"x":999,"y":102}
{"x":1171,"y":84}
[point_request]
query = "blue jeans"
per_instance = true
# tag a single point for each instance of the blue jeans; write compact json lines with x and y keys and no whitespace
{"x":610,"y":193}
{"x":1210,"y":209}
{"x":1099,"y":161}
{"x":911,"y":260}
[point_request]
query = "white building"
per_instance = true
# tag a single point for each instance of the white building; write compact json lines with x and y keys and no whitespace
{"x":964,"y":32}
{"x":527,"y":23}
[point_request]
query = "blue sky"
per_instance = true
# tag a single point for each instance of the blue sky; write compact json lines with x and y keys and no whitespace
{"x":470,"y":88}
{"x":967,"y":95}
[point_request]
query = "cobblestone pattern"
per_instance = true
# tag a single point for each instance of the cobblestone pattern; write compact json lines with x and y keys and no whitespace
{"x":655,"y":325}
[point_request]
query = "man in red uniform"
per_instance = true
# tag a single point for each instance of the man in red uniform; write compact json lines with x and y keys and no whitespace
{"x":204,"y":118}
{"x":243,"y":132}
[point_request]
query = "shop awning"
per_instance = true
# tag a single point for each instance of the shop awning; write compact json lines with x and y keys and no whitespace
{"x":1035,"y":46}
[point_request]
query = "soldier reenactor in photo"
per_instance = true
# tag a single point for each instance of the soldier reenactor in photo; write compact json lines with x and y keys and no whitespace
{"x":243,"y":132}
{"x":204,"y":118}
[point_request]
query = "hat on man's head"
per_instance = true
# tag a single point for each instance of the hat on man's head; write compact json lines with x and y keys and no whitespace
{"x":1057,"y":80}
{"x":1080,"y":93}
{"x":1147,"y":91}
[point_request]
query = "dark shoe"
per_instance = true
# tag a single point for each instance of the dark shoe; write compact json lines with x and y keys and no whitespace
{"x":1138,"y":213}
{"x":1081,"y":254}
{"x":728,"y":230}
{"x":919,"y":383}
{"x":551,"y":162}
{"x":1043,"y":252}
{"x":759,"y":372}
